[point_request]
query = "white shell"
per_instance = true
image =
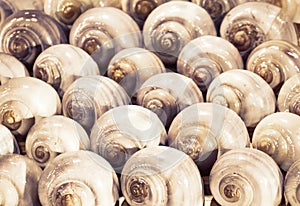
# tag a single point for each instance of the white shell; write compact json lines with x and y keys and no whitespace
{"x":170,"y":26}
{"x":54,"y":135}
{"x":19,"y":178}
{"x":88,"y":97}
{"x":292,"y":184}
{"x":108,"y":3}
{"x":8,"y":143}
{"x":244,"y":92}
{"x":103,"y":32}
{"x":275,"y":61}
{"x":249,"y":24}
{"x":59,"y":65}
{"x":202,"y":59}
{"x":133,"y":66}
{"x":24,"y":100}
{"x":246,"y":177}
{"x":11,"y":67}
{"x":278,"y":135}
{"x":166,"y":94}
{"x":205,"y":131}
{"x":123,"y":130}
{"x":161,"y":176}
{"x":288,"y":99}
{"x":78,"y":178}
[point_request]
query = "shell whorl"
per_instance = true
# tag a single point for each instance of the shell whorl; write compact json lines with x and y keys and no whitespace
{"x":291,"y":184}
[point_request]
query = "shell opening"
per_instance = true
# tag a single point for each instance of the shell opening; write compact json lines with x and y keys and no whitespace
{"x":143,"y":8}
{"x":139,"y":190}
{"x":69,"y":12}
{"x":12,"y":120}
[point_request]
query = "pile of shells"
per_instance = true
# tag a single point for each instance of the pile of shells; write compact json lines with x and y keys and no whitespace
{"x":149,"y":102}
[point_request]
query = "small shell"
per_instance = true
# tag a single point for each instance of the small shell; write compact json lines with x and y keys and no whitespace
{"x":288,"y":99}
{"x":8,"y":143}
{"x":19,"y":178}
{"x":59,"y":66}
{"x":202,"y":59}
{"x":54,"y":135}
{"x":244,"y":92}
{"x":103,"y":32}
{"x":78,"y":178}
{"x":122,"y":131}
{"x":11,"y":67}
{"x":26,"y":33}
{"x":252,"y":23}
{"x":166,"y":94}
{"x":278,"y":135}
{"x":88,"y":97}
{"x":246,"y":177}
{"x":205,"y":131}
{"x":133,"y":66}
{"x":170,"y":26}
{"x":161,"y":176}
{"x":292,"y":184}
{"x":275,"y":61}
{"x":24,"y":100}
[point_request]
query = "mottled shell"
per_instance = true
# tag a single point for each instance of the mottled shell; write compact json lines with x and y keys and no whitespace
{"x":8,"y":143}
{"x":78,"y":178}
{"x":275,"y":61}
{"x":54,"y":135}
{"x":88,"y":97}
{"x":170,"y":26}
{"x":246,"y":177}
{"x":166,"y":94}
{"x":205,"y":131}
{"x":244,"y":92}
{"x":60,"y":65}
{"x":292,"y":184}
{"x":103,"y":32}
{"x":288,"y":99}
{"x":161,"y":176}
{"x":250,"y":24}
{"x":133,"y":66}
{"x":11,"y":67}
{"x":278,"y":135}
{"x":205,"y":57}
{"x":19,"y":178}
{"x":26,"y":33}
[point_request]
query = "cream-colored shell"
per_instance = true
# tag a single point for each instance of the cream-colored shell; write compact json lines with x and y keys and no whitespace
{"x":8,"y":143}
{"x":291,"y":184}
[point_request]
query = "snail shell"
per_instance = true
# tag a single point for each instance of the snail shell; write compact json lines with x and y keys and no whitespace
{"x":292,"y":184}
{"x":170,"y":26}
{"x":288,"y":99}
{"x":19,"y":178}
{"x":104,"y":31}
{"x":249,"y":24}
{"x":161,"y":175}
{"x":88,"y":97}
{"x":122,"y":131}
{"x":54,"y":135}
{"x":59,"y":65}
{"x":133,"y":66}
{"x":26,"y":33}
{"x":275,"y":61}
{"x":202,"y":59}
{"x":166,"y":94}
{"x":25,"y":100}
{"x":278,"y":135}
{"x":205,"y":131}
{"x":244,"y":92}
{"x":78,"y":178}
{"x":11,"y":67}
{"x":8,"y":143}
{"x":246,"y":176}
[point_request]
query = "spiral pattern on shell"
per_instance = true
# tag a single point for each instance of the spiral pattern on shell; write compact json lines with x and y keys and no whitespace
{"x":234,"y":179}
{"x":8,"y":143}
{"x":26,"y":33}
{"x":202,"y":59}
{"x":291,"y":184}
{"x":104,"y":31}
{"x":170,"y":26}
{"x":155,"y":176}
{"x":278,"y":135}
{"x":94,"y":182}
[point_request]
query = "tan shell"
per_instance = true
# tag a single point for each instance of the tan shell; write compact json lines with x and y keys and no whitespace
{"x":291,"y":184}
